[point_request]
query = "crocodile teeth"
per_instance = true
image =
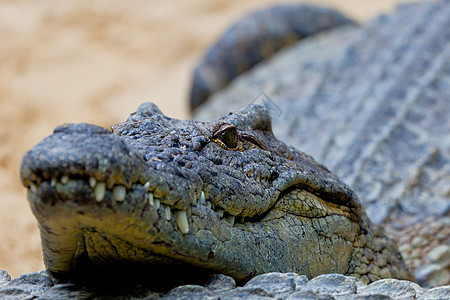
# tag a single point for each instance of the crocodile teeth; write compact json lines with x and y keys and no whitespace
{"x":99,"y":191}
{"x":33,"y":187}
{"x":64,"y":179}
{"x":157,"y":203}
{"x":208,"y":204}
{"x":53,"y":181}
{"x":182,"y":222}
{"x":92,"y":182}
{"x":202,"y":198}
{"x":119,"y":193}
{"x":220,"y":212}
{"x":150,"y":199}
{"x":147,"y":185}
{"x":194,"y":201}
{"x":167,"y":213}
{"x":230,"y":218}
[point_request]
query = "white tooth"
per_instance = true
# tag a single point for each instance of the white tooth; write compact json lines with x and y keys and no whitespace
{"x":230,"y":219}
{"x":64,"y":179}
{"x":194,"y":201}
{"x":167,"y":213}
{"x":147,"y":185}
{"x":99,"y":191}
{"x":157,"y":203}
{"x":33,"y":187}
{"x":182,"y":222}
{"x":150,"y":199}
{"x":119,"y":193}
{"x":220,"y":212}
{"x":92,"y":182}
{"x":202,"y":198}
{"x":208,"y":204}
{"x":53,"y":182}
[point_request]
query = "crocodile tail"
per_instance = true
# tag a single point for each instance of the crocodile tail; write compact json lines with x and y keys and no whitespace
{"x":255,"y":38}
{"x":376,"y":256}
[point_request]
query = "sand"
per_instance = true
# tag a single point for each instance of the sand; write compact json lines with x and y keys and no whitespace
{"x":95,"y":62}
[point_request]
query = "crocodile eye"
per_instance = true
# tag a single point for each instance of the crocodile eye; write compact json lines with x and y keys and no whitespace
{"x":228,"y":135}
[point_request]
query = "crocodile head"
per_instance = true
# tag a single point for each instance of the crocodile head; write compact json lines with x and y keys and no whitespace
{"x":157,"y":193}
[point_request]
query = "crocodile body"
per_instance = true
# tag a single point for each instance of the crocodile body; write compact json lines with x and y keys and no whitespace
{"x":373,"y":105}
{"x":224,"y":196}
{"x":148,"y":196}
{"x":255,"y":38}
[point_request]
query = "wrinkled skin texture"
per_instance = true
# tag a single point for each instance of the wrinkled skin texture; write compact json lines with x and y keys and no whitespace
{"x":224,"y":196}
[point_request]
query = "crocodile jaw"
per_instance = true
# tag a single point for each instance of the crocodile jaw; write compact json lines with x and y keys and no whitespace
{"x":135,"y":231}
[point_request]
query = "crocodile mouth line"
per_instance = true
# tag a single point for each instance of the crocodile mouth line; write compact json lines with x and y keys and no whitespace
{"x":105,"y":192}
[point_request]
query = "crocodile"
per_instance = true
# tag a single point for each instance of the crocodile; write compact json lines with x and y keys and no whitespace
{"x":372,"y":104}
{"x":224,"y":196}
{"x":255,"y":38}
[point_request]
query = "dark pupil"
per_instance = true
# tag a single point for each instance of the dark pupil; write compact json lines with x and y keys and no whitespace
{"x":229,"y":137}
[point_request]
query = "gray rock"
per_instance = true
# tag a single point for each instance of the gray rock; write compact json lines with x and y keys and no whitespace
{"x":4,"y":277}
{"x":28,"y":285}
{"x":246,"y":293}
{"x":190,"y":292}
{"x":300,"y":281}
{"x":432,"y":275}
{"x":66,"y":291}
{"x":308,"y":296}
{"x":440,"y":254}
{"x":274,"y":283}
{"x":332,"y":284}
{"x":41,"y":285}
{"x":220,"y":282}
{"x":365,"y":297}
{"x":393,"y":288}
{"x":441,"y":292}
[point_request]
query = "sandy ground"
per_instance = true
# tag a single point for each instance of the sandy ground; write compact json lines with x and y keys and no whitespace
{"x":96,"y":61}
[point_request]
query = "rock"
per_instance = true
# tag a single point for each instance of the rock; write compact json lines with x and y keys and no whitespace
{"x":441,"y":292}
{"x":440,"y":254}
{"x":332,"y":284}
{"x":41,"y":285}
{"x":308,"y":296}
{"x":393,"y":288}
{"x":274,"y":283}
{"x":27,"y":285}
{"x":432,"y":275}
{"x":190,"y":292}
{"x":220,"y":282}
{"x":4,"y":277}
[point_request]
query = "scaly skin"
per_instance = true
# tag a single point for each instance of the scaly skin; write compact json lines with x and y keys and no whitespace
{"x":255,"y":38}
{"x":225,"y":196}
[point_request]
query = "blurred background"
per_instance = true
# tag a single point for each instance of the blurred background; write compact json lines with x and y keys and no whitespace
{"x":95,"y":62}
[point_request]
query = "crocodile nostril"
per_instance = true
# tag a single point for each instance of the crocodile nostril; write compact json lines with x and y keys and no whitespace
{"x":273,"y":176}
